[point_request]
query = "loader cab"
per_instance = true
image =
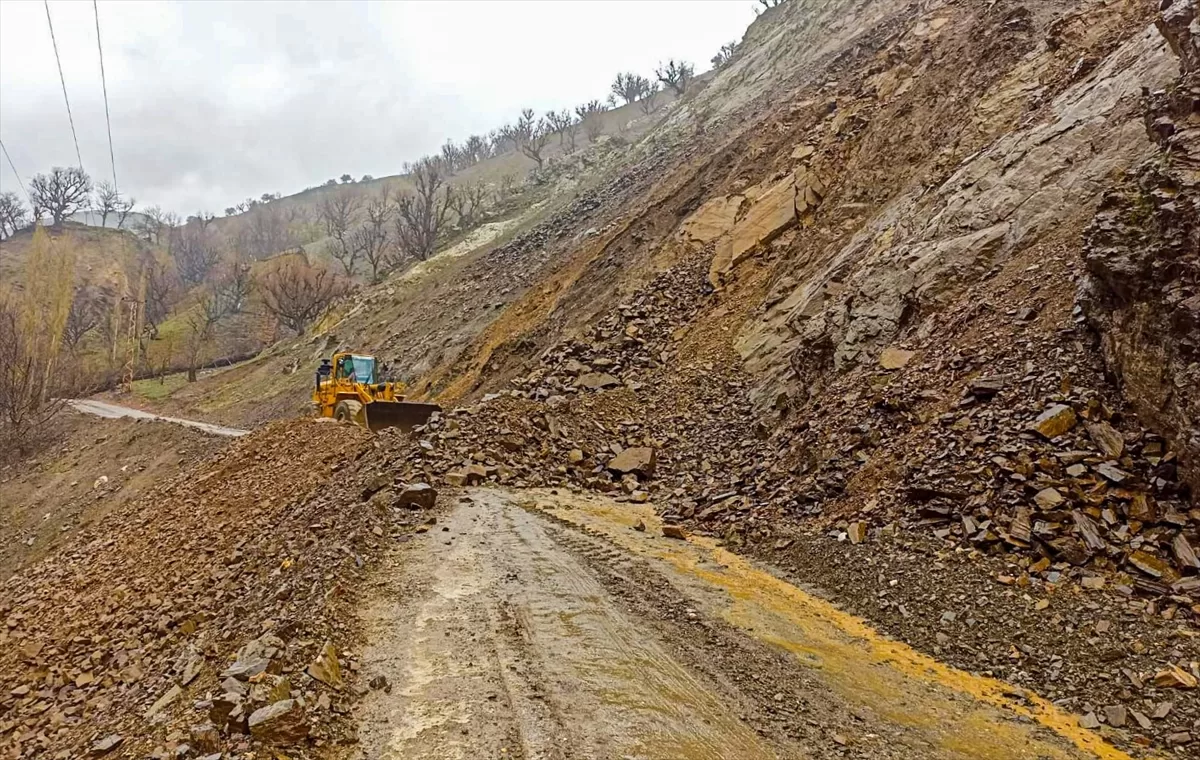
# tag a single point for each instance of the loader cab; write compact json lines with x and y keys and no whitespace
{"x":355,"y":369}
{"x":324,"y":371}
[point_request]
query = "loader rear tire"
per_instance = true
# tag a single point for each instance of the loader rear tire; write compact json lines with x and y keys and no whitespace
{"x":348,"y":411}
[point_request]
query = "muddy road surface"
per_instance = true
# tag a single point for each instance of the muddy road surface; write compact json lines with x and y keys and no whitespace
{"x":535,"y":625}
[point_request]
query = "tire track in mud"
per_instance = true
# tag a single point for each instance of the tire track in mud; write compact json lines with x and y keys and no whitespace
{"x":500,"y":642}
{"x":531,"y":627}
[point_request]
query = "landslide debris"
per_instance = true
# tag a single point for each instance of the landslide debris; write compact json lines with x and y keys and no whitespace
{"x":211,"y":617}
{"x":889,"y":389}
{"x":87,"y":467}
{"x":902,"y":371}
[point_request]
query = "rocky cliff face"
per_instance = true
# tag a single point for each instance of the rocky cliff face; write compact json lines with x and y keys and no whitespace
{"x":1142,"y":290}
{"x":1053,"y":113}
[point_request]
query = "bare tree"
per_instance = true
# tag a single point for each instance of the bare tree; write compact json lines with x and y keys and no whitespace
{"x":37,"y":212}
{"x":371,"y":243}
{"x":649,"y":102}
{"x":498,"y":141}
{"x":421,"y":214}
{"x":153,"y":225}
{"x":562,"y":122}
{"x":532,"y":136}
{"x":233,"y":281}
{"x":507,"y":187}
{"x":338,"y":212}
{"x":107,"y":199}
{"x":370,"y":240}
{"x":214,"y":305}
{"x":675,"y":74}
{"x":201,"y":218}
{"x":89,"y":305}
{"x":724,"y":55}
{"x":452,"y":156}
{"x":630,"y":87}
{"x":195,"y":251}
{"x":13,"y":215}
{"x":161,"y":285}
{"x":297,"y":292}
{"x":477,"y":148}
{"x":266,"y":231}
{"x":590,"y":116}
{"x":467,"y":201}
{"x":62,"y":192}
{"x":123,"y":209}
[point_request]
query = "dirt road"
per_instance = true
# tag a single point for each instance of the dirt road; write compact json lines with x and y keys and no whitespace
{"x":544,"y":626}
{"x":113,"y":411}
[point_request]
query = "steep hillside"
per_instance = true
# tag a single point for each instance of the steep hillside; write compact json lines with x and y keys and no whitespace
{"x":104,"y":256}
{"x":855,"y":313}
{"x":903,"y":301}
{"x":508,"y":168}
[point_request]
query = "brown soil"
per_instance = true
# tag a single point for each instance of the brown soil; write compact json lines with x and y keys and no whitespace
{"x":86,"y":468}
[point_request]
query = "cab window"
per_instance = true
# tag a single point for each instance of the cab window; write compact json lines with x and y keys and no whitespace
{"x":364,"y":369}
{"x":360,"y":368}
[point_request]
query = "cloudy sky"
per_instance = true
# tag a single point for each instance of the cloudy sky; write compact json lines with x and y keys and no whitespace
{"x":213,"y":102}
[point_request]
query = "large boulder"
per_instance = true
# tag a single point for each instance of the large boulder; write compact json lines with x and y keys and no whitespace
{"x":639,"y":460}
{"x":417,"y":496}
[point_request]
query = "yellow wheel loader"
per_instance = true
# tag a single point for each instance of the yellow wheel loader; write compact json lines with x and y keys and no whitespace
{"x":350,"y":387}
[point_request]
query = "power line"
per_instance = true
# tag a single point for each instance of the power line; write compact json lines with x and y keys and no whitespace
{"x":63,"y":80}
{"x":15,"y":172}
{"x":104,"y":84}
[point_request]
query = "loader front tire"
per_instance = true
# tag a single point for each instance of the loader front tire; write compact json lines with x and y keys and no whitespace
{"x":348,"y":411}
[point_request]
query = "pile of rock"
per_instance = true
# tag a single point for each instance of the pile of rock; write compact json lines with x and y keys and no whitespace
{"x":210,"y":616}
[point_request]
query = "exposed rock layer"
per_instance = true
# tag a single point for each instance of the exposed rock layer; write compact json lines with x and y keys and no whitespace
{"x":1142,"y":293}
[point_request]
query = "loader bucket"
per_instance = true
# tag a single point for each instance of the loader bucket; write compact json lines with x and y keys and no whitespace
{"x":402,"y":414}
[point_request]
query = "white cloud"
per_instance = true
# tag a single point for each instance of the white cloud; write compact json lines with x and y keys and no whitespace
{"x":216,"y":101}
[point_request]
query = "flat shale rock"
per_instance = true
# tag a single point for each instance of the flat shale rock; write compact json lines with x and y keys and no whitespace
{"x":1055,"y":421}
{"x":283,"y":722}
{"x":640,"y":461}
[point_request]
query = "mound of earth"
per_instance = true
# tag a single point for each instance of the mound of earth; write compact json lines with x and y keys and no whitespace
{"x":211,"y":614}
{"x":85,"y":468}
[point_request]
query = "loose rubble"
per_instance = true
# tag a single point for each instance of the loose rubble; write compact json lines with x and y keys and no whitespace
{"x":212,"y":616}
